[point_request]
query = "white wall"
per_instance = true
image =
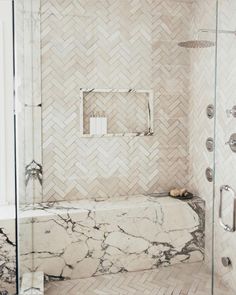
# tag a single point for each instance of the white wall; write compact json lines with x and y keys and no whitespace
{"x":6,"y":104}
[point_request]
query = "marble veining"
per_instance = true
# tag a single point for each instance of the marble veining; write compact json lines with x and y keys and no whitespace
{"x":7,"y":256}
{"x":89,"y":238}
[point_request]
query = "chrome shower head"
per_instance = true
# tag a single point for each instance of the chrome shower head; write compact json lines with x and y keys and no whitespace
{"x":197,"y":44}
{"x":204,"y":43}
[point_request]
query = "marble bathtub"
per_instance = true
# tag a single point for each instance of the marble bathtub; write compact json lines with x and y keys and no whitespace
{"x":88,"y":238}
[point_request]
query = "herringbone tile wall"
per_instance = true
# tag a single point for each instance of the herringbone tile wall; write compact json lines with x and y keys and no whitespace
{"x":114,"y":44}
{"x":202,"y":92}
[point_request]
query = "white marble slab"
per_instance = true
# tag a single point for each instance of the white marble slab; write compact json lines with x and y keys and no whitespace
{"x":88,"y":238}
{"x":7,"y":252}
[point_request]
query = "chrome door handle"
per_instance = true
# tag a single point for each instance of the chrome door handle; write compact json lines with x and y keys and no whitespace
{"x":227,"y":227}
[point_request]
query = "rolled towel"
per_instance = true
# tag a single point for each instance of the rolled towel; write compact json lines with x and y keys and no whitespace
{"x":180,"y":193}
{"x":175,"y":192}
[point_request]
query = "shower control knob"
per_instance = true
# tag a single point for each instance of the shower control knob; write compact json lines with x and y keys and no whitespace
{"x":210,"y":144}
{"x":210,"y":111}
{"x":209,"y":174}
{"x":231,"y":112}
{"x":226,"y":261}
{"x":232,"y":142}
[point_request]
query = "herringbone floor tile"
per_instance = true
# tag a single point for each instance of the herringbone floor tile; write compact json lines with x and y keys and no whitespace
{"x":184,"y":279}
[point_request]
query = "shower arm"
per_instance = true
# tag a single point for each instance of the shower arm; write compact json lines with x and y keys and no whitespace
{"x":214,"y":31}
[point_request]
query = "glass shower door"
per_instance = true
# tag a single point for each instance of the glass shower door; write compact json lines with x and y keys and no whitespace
{"x":199,"y":63}
{"x":225,"y":148}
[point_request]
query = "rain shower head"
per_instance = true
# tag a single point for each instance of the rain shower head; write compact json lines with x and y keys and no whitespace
{"x":204,"y":43}
{"x":197,"y":44}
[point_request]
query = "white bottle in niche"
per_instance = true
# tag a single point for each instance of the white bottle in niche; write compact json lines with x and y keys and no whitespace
{"x":97,"y":128}
{"x":103,"y":124}
{"x":98,"y":124}
{"x":93,"y":124}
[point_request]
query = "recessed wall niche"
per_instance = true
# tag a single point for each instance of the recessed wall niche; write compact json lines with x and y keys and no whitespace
{"x":116,"y":112}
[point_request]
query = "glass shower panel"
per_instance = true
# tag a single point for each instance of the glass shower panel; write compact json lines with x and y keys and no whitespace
{"x":225,"y":176}
{"x":28,"y":131}
{"x":104,"y":207}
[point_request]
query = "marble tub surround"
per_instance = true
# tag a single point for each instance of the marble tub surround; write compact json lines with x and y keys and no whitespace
{"x":88,"y":238}
{"x":7,"y":252}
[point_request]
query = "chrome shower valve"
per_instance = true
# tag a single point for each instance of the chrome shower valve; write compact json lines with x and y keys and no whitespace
{"x":231,"y":112}
{"x":232,"y":142}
